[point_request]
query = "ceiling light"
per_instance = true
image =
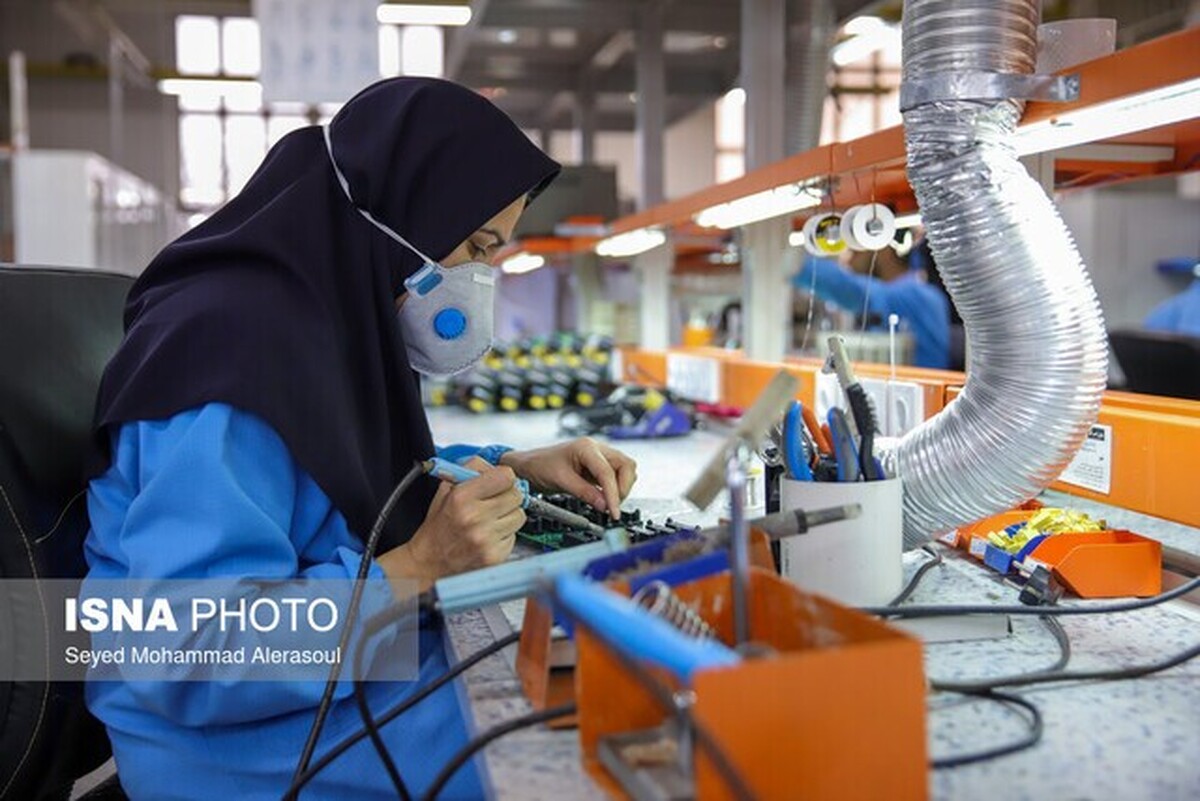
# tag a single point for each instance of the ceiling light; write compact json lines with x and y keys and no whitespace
{"x":506,"y":36}
{"x":248,"y":91}
{"x":1126,"y":115}
{"x":415,"y":14}
{"x":861,"y":45}
{"x":631,"y":243}
{"x":761,"y":206}
{"x":522,"y":263}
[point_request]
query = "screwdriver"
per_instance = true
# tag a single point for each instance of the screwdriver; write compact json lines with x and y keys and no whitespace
{"x":456,"y":474}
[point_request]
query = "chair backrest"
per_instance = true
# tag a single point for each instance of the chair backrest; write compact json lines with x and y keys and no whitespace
{"x":1159,"y":363}
{"x":58,"y":329}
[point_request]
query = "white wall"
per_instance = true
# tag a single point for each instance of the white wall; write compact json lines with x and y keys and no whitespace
{"x":690,"y":157}
{"x":1122,"y":234}
{"x":71,"y":112}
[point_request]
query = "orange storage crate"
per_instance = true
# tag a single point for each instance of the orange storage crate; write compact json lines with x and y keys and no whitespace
{"x":1103,"y":564}
{"x":837,"y":712}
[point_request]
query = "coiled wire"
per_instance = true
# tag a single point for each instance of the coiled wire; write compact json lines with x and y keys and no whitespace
{"x":1038,"y":349}
{"x":657,"y":599}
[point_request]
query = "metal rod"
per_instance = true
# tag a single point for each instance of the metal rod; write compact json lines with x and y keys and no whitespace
{"x":736,"y":479}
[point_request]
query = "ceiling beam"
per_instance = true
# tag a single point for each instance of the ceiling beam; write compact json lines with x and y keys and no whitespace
{"x":712,"y":82}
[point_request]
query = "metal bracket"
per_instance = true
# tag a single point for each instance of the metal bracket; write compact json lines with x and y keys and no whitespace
{"x":975,"y":85}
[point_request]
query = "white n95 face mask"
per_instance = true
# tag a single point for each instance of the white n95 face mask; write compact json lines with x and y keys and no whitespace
{"x":448,"y":316}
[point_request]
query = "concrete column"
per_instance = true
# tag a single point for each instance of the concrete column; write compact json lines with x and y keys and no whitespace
{"x":651,"y":106}
{"x":544,"y":134}
{"x":585,"y":119}
{"x":655,"y":268}
{"x":588,"y":289}
{"x":767,"y":263}
{"x":764,"y":29}
{"x":116,"y":105}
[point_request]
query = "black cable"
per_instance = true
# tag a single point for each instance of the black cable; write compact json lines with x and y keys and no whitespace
{"x":372,"y":627}
{"x":1112,"y":674}
{"x":364,"y":566}
{"x":399,"y":709}
{"x":489,"y":736}
{"x":943,"y":610}
{"x":917,"y":576}
{"x":983,"y":685}
{"x":664,"y":697}
{"x":1032,"y":737}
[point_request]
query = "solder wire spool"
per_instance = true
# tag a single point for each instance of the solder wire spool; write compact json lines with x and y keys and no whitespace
{"x":823,"y":234}
{"x":871,"y":226}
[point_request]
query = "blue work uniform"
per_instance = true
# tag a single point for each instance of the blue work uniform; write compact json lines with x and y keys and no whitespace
{"x":922,"y":308}
{"x":214,"y":492}
{"x":1179,"y":314}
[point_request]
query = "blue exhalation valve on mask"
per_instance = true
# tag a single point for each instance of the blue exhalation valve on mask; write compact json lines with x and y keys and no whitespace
{"x":450,"y":323}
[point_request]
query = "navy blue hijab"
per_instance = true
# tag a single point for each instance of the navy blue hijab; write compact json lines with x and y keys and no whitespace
{"x":282,"y":303}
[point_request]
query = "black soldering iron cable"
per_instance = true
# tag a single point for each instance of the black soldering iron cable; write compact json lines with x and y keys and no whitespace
{"x":399,"y":709}
{"x":364,"y":566}
{"x":1032,"y":737}
{"x":911,"y":586}
{"x":496,"y":732}
{"x":945,"y":610}
{"x":1044,"y":677}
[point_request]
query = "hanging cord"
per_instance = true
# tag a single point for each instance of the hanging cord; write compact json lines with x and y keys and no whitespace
{"x":364,"y":566}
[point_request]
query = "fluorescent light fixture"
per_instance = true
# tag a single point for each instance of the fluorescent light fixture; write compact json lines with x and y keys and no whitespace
{"x":631,"y":243}
{"x":865,"y":39}
{"x":910,"y":220}
{"x":1125,"y":115}
{"x":522,"y":263}
{"x":762,"y":206}
{"x":417,"y":14}
{"x":422,"y":51}
{"x":250,"y":91}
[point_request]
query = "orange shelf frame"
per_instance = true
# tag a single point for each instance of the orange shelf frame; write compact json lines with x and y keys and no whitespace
{"x":1155,"y":439}
{"x":873,"y":166}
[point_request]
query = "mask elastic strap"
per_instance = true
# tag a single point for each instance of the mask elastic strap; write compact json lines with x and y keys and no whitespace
{"x":366,"y":214}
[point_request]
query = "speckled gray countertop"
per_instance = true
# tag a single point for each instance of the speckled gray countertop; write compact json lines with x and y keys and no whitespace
{"x":1115,"y":740}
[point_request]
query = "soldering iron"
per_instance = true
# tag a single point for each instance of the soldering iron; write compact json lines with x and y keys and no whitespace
{"x":456,"y":474}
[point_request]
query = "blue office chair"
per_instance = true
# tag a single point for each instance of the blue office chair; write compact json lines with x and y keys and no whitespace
{"x":58,"y":329}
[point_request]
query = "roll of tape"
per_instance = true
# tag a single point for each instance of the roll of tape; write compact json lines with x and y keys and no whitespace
{"x":872,"y":227}
{"x":823,"y":235}
{"x":848,"y":227}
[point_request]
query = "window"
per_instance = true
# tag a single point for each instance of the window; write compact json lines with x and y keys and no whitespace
{"x":731,"y":135}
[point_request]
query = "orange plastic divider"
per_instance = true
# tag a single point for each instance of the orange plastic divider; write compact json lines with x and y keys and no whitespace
{"x":838,"y":711}
{"x":1104,"y":564}
{"x":646,"y":367}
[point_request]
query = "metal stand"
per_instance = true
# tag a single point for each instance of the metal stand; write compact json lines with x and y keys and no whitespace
{"x":735,"y":473}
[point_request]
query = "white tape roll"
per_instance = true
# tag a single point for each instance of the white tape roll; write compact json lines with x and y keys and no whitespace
{"x":822,"y":235}
{"x":848,"y":227}
{"x":872,"y":227}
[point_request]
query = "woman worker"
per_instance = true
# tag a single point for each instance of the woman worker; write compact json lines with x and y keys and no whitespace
{"x":263,"y":405}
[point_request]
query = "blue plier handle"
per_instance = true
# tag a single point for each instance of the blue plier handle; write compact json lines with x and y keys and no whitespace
{"x":795,"y":455}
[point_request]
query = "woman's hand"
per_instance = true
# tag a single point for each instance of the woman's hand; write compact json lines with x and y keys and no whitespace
{"x":468,"y":526}
{"x":589,"y":470}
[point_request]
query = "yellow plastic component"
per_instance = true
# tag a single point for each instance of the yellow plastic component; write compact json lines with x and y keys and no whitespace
{"x":556,"y":401}
{"x":476,"y":405}
{"x":509,"y":404}
{"x":653,"y":400}
{"x":537,"y":402}
{"x":585,"y":399}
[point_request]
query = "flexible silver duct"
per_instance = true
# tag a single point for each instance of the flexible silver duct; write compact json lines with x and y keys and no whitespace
{"x":1038,"y":349}
{"x":811,"y":25}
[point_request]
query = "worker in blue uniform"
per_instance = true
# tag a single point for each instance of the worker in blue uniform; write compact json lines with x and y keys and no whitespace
{"x":265,"y":401}
{"x":883,"y":283}
{"x":1179,"y":314}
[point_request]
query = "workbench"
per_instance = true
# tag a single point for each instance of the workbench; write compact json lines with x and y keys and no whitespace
{"x":1137,"y":739}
